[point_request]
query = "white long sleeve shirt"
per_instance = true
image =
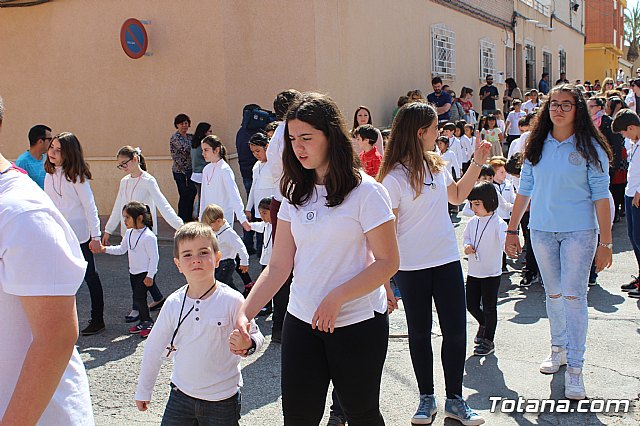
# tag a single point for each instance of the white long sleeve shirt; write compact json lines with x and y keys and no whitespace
{"x":267,"y":241}
{"x":274,"y":159}
{"x":633,"y":174}
{"x":456,"y":147}
{"x":76,"y":203}
{"x":144,"y":189}
{"x":262,"y":186}
{"x":502,"y":205}
{"x":230,"y":244}
{"x":487,"y":235}
{"x":468,"y":146}
{"x":203,"y":366}
{"x":141,"y":246}
{"x":219,"y":187}
{"x":451,"y":158}
{"x":508,"y":192}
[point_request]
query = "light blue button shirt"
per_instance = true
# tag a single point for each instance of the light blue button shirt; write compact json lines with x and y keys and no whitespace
{"x":563,"y":187}
{"x":33,"y":167}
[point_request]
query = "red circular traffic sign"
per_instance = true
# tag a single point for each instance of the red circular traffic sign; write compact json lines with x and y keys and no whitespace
{"x":134,"y":38}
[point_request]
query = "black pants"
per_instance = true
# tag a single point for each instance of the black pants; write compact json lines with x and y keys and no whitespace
{"x":140,"y":294}
{"x":187,"y":192}
{"x":352,"y":357}
{"x":445,"y":285}
{"x":532,"y":264}
{"x":224,"y":272}
{"x":244,"y":276}
{"x":280,"y":304}
{"x":95,"y":286}
{"x":484,"y":290}
{"x":617,"y":191}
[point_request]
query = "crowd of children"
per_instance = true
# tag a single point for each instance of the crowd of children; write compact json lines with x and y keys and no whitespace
{"x":422,"y":168}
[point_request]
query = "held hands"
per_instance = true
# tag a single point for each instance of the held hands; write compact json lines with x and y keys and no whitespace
{"x":512,"y":245}
{"x":468,"y":249}
{"x":239,"y":342}
{"x":324,"y":319}
{"x":148,"y":282}
{"x":246,"y":226}
{"x":142,"y":405}
{"x":243,"y":268}
{"x":247,"y":213}
{"x":94,"y":246}
{"x":105,"y":238}
{"x":392,"y":302}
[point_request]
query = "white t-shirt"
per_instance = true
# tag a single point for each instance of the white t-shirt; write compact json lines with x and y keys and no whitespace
{"x":141,"y":246}
{"x":426,"y":237}
{"x":39,"y":256}
{"x":76,"y":203}
{"x":512,"y":122}
{"x":453,"y":165}
{"x":518,"y":144}
{"x":455,"y":146}
{"x":331,"y":248}
{"x":508,"y":193}
{"x":203,"y":365}
{"x":529,"y":106}
{"x":486,"y":235}
{"x":633,"y":174}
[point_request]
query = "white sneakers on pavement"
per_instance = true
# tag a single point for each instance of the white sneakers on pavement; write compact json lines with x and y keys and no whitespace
{"x":556,"y":358}
{"x":573,"y":378}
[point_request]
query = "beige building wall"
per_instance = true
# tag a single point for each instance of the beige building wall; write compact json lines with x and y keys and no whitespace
{"x":62,"y":65}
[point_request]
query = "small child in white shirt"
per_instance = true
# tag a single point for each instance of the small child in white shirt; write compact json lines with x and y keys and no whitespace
{"x":449,"y":157}
{"x":230,"y":244}
{"x":486,"y":175}
{"x":265,"y":229}
{"x":196,"y":328}
{"x":484,"y":239}
{"x":141,"y":246}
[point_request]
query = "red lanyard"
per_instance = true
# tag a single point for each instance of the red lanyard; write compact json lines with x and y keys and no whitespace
{"x":134,"y":187}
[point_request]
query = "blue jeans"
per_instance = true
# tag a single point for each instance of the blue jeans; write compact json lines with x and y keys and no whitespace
{"x":183,"y":409}
{"x":633,"y":226}
{"x":564,"y":260}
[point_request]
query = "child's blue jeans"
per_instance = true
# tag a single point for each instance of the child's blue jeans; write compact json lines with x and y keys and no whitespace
{"x":183,"y":409}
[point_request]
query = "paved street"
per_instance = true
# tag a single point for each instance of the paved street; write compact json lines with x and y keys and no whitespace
{"x":612,"y":365}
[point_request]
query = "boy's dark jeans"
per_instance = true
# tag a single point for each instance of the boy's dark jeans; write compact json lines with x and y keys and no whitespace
{"x":183,"y":409}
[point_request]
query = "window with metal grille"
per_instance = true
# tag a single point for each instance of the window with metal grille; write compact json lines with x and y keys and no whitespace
{"x":443,"y":48}
{"x":530,"y":65}
{"x":563,"y":60}
{"x":487,"y":58}
{"x":546,"y":62}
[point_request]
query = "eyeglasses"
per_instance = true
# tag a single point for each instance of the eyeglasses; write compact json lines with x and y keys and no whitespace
{"x":122,"y":165}
{"x":564,"y":106}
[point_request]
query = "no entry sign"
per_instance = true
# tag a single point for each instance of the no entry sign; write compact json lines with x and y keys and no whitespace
{"x":133,"y":38}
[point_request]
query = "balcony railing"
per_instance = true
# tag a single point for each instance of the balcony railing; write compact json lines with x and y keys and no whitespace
{"x":538,"y":6}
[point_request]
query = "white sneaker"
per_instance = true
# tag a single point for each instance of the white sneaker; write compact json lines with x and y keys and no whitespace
{"x":556,"y":358}
{"x":574,"y":384}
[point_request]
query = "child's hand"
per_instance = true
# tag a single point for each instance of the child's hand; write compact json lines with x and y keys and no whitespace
{"x":94,"y":246}
{"x":244,"y":268}
{"x":103,"y":249}
{"x":148,"y":282}
{"x":239,"y":342}
{"x":105,"y":238}
{"x":247,"y":213}
{"x":142,"y":405}
{"x":468,"y":249}
{"x":392,"y":302}
{"x":246,"y":226}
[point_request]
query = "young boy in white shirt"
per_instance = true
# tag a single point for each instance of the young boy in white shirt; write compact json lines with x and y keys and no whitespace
{"x":449,"y":130}
{"x":195,"y":327}
{"x":512,"y":123}
{"x":230,"y":244}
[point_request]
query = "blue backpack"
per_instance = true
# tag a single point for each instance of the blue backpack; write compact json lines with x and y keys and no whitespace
{"x":256,"y":118}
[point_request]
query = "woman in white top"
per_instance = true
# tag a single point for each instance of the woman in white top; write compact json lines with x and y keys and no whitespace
{"x":219,"y":183}
{"x":67,"y":184}
{"x":336,"y":231}
{"x":139,"y":185}
{"x":420,"y":187}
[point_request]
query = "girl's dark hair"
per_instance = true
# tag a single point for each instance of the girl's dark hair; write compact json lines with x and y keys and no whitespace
{"x":130,"y":152}
{"x":443,"y":139}
{"x":405,"y":148}
{"x":265,"y":203}
{"x":214,"y":142}
{"x":489,"y":118}
{"x":355,"y":116}
{"x":514,"y":164}
{"x":460,"y":126}
{"x":343,"y":175}
{"x":73,"y":164}
{"x":135,"y":209}
{"x":511,"y":83}
{"x":584,"y":129}
{"x":259,"y":139}
{"x":181,"y":118}
{"x":487,"y":170}
{"x":283,"y":101}
{"x":485,"y":192}
{"x":199,"y":134}
{"x":465,"y":90}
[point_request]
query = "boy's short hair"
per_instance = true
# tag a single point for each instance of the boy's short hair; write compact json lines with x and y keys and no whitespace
{"x":516,"y":102}
{"x":193,"y":230}
{"x":443,"y":139}
{"x":514,"y":164}
{"x":469,"y":126}
{"x":449,"y":126}
{"x":485,"y":192}
{"x":385,"y":133}
{"x":212,"y":213}
{"x":623,"y":119}
{"x":523,"y":121}
{"x":265,"y":203}
{"x":487,"y":170}
{"x":497,"y":161}
{"x":402,"y":100}
{"x":367,"y":131}
{"x":271,"y":127}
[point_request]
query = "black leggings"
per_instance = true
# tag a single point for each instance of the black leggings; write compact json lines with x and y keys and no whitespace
{"x":95,"y":285}
{"x":445,"y":285}
{"x":485,"y":290}
{"x":352,"y":357}
{"x":140,"y":294}
{"x":532,"y":264}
